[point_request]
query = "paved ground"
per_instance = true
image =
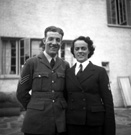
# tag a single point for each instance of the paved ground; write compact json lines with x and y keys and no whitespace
{"x":123,"y":121}
{"x":12,"y":125}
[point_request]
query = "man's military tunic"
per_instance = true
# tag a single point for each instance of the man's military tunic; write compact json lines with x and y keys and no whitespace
{"x":46,"y":104}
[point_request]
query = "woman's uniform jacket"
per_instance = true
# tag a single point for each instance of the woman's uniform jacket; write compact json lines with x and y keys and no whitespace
{"x":89,"y":99}
{"x":45,"y":107}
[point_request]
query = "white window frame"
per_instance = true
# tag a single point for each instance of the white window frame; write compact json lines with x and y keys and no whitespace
{"x":27,"y":42}
{"x":4,"y":64}
{"x":121,"y":15}
{"x":29,"y":47}
{"x":4,"y":73}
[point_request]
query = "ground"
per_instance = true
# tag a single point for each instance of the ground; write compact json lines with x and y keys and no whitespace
{"x":12,"y":125}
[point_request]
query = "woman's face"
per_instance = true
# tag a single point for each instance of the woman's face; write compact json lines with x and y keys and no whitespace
{"x":81,"y":50}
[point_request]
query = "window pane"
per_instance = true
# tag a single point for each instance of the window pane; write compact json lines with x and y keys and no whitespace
{"x":124,"y":13}
{"x":13,"y":52}
{"x":9,"y":56}
{"x":113,"y":12}
{"x":22,"y":61}
{"x":21,"y":53}
{"x":128,"y":5}
{"x":13,"y":61}
{"x":13,"y":44}
{"x":36,"y":47}
{"x":24,"y":51}
{"x":13,"y":57}
{"x":13,"y":70}
{"x":63,"y":51}
{"x":121,"y":12}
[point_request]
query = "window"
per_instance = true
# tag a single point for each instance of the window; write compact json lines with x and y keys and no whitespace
{"x":66,"y":53}
{"x":15,"y":51}
{"x":62,"y":51}
{"x":24,"y":51}
{"x":14,"y":54}
{"x":9,"y":56}
{"x":36,"y":47}
{"x":119,"y":12}
{"x":13,"y":57}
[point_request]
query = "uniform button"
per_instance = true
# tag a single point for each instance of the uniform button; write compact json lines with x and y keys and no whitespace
{"x":84,"y":99}
{"x":39,"y":75}
{"x":53,"y":91}
{"x":53,"y":101}
{"x":52,"y":71}
{"x":84,"y":108}
{"x":72,"y":100}
{"x":53,"y":81}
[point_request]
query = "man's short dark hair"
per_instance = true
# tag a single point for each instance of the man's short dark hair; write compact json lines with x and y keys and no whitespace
{"x":54,"y":29}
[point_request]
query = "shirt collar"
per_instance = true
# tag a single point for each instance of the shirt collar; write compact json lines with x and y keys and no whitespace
{"x":84,"y":64}
{"x":49,"y":57}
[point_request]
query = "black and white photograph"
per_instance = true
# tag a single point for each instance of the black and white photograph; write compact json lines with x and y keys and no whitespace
{"x":65,"y":67}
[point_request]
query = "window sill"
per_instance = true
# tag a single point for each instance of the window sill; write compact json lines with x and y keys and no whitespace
{"x":119,"y":26}
{"x":9,"y":77}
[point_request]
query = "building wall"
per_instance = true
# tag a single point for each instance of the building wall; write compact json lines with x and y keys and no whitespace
{"x":8,"y":85}
{"x":25,"y":18}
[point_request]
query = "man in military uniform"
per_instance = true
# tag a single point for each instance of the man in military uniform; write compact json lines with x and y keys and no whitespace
{"x":44,"y":76}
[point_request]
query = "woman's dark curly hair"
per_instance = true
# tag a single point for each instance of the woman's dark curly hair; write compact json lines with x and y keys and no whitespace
{"x":89,"y":43}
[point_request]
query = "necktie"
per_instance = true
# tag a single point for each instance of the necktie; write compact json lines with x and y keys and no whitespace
{"x":52,"y":63}
{"x":80,"y":71}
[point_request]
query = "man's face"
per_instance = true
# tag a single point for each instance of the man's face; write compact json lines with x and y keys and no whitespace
{"x":81,"y":50}
{"x":52,"y":43}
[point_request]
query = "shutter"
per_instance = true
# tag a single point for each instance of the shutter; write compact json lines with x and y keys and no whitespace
{"x":108,"y":5}
{"x":128,"y":4}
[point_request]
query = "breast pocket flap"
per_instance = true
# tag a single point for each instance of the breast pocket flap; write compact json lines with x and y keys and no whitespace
{"x":39,"y":75}
{"x":61,"y":75}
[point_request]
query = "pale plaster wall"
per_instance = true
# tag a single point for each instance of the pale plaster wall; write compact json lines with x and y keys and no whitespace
{"x":8,"y":85}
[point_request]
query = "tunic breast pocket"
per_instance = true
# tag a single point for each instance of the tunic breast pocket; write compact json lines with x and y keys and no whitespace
{"x":38,"y":79}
